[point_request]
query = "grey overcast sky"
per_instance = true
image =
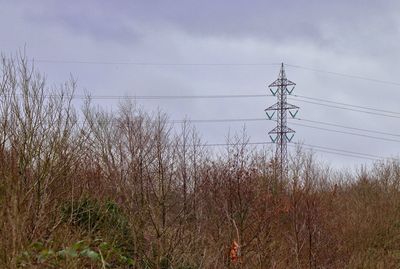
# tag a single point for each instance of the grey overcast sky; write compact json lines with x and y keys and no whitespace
{"x":359,"y":38}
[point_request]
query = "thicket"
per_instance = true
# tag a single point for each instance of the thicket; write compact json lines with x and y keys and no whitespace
{"x":91,"y":189}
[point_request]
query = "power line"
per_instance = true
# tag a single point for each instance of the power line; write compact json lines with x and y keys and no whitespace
{"x":299,"y":124}
{"x":48,"y":61}
{"x":139,"y":63}
{"x":156,"y":97}
{"x":237,"y":144}
{"x":218,"y":120}
{"x":170,"y":97}
{"x":307,"y":146}
{"x":348,"y":127}
{"x":345,"y":75}
{"x":349,"y":133}
{"x":342,"y":154}
{"x":350,"y":109}
{"x":269,"y":143}
{"x":166,"y":97}
{"x":314,"y":147}
{"x":346,"y":104}
{"x":300,"y":119}
{"x":343,"y":151}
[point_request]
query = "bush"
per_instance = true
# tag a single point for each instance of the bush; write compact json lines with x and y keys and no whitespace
{"x":97,"y":253}
{"x":103,"y":220}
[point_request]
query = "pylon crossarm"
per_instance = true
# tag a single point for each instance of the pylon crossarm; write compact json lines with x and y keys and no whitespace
{"x":287,"y":130}
{"x":290,"y":106}
{"x":274,"y":131}
{"x":290,"y":83}
{"x":273,"y":107}
{"x":282,"y":82}
{"x":282,"y":131}
{"x":276,"y":83}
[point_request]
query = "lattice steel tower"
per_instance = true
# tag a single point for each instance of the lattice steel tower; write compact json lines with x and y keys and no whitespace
{"x":281,"y":134}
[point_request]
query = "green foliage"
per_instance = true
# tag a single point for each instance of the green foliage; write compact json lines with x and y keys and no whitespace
{"x":86,"y":214}
{"x":165,"y":263}
{"x":105,"y":220}
{"x":81,"y":253}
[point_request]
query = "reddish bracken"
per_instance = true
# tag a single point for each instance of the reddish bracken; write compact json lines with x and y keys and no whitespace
{"x":234,"y":252}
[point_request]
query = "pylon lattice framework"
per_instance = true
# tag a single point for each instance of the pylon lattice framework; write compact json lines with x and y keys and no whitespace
{"x":281,"y":134}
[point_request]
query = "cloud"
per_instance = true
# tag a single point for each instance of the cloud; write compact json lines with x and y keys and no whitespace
{"x":344,"y":26}
{"x":88,"y":19}
{"x":351,"y":37}
{"x":339,"y":25}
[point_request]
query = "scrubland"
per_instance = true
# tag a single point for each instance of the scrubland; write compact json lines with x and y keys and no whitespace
{"x":81,"y":187}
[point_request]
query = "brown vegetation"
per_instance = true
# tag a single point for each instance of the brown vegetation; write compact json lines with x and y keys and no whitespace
{"x":124,"y":190}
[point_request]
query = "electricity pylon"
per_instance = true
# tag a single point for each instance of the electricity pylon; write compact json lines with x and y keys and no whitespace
{"x":281,"y":134}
